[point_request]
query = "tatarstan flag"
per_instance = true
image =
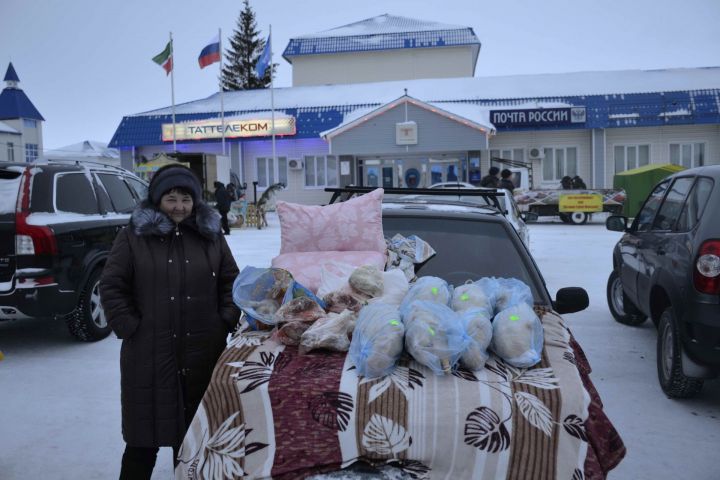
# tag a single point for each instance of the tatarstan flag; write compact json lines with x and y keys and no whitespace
{"x":165,"y":58}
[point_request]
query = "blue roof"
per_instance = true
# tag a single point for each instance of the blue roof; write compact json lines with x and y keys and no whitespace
{"x":384,"y":32}
{"x":13,"y":101}
{"x":10,"y":75}
{"x":603,"y":111}
{"x":15,"y":104}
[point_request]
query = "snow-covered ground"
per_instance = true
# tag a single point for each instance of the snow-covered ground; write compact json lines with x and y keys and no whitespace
{"x":60,"y":399}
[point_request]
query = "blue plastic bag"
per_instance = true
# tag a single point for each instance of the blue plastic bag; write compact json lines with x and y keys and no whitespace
{"x":518,"y":336}
{"x":431,"y":289}
{"x":377,"y":340}
{"x":434,"y":335}
{"x":479,"y":331}
{"x":259,"y":292}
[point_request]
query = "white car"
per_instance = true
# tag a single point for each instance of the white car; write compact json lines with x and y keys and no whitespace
{"x":507,"y":201}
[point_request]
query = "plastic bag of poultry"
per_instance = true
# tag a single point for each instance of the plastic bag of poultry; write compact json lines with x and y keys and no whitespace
{"x":473,"y":295}
{"x":341,"y":300}
{"x":395,"y":287}
{"x":296,"y":290}
{"x":518,"y":336}
{"x":512,"y":292}
{"x":479,"y":331}
{"x":330,"y":332}
{"x":290,"y":333}
{"x":432,"y":289}
{"x":367,"y":280}
{"x":434,"y":335}
{"x":301,"y":309}
{"x":259,"y":293}
{"x":377,"y":340}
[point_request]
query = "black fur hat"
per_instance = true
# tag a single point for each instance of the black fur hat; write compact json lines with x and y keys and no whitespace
{"x":174,"y":176}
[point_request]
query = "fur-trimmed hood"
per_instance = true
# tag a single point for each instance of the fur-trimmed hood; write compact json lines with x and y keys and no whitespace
{"x":147,"y":219}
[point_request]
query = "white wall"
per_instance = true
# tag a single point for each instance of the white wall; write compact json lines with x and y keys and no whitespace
{"x":28,"y":135}
{"x":18,"y":147}
{"x":295,"y":191}
{"x":659,"y":139}
{"x":581,"y":139}
{"x":361,"y":67}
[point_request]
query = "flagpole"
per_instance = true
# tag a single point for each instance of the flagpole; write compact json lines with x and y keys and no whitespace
{"x":172,"y":88}
{"x":272,"y":98}
{"x":222,"y":102}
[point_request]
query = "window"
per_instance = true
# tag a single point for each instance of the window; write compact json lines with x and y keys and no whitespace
{"x":74,"y":194}
{"x":141,"y":190}
{"x":321,"y":171}
{"x":516,"y":154}
{"x":647,"y":213}
{"x":673,"y":204}
{"x":628,"y":157}
{"x":31,"y":152}
{"x":695,"y":205}
{"x":29,"y":123}
{"x":119,"y":191}
{"x":267,"y":171}
{"x":10,"y":152}
{"x":559,"y":162}
{"x":687,"y":154}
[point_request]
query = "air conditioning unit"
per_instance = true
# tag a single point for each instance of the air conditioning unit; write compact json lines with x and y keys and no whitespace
{"x":536,"y":154}
{"x":295,"y":164}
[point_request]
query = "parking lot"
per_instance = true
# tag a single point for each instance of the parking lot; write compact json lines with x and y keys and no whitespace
{"x":60,"y":399}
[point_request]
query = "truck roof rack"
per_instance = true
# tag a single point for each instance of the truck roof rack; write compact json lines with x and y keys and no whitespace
{"x":466,"y":192}
{"x":80,"y":163}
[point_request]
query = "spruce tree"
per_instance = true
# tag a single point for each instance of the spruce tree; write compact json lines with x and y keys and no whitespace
{"x":246,"y":46}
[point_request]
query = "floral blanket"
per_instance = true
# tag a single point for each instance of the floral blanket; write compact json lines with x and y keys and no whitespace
{"x":272,"y":413}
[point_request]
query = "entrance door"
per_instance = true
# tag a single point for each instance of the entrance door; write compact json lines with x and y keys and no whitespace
{"x":445,"y":170}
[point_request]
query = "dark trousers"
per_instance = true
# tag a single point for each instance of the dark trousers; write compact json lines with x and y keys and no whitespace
{"x":138,"y":462}
{"x":224,"y":221}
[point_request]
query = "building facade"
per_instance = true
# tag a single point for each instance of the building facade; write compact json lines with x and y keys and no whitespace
{"x":382,"y":128}
{"x":20,"y":123}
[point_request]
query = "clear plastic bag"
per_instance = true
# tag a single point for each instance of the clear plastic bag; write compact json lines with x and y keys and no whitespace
{"x":377,"y":341}
{"x":434,"y":335}
{"x":290,"y":333}
{"x":336,"y":302}
{"x":334,"y":277}
{"x":259,"y":292}
{"x":330,"y":332}
{"x":479,"y":331}
{"x":395,"y":287}
{"x":473,"y":295}
{"x":431,"y":289}
{"x":518,"y":336}
{"x":301,"y":309}
{"x":512,"y":292}
{"x":367,"y":280}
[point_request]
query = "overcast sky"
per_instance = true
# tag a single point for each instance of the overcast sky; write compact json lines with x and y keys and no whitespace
{"x":87,"y":63}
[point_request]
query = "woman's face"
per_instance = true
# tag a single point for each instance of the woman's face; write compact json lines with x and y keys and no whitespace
{"x":177,"y":205}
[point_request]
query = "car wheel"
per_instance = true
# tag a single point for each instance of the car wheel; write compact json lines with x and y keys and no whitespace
{"x":620,"y":306}
{"x":578,"y":218}
{"x":87,"y":322}
{"x":669,"y":349}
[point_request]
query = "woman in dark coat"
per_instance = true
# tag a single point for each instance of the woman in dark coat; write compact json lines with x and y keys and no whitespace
{"x":167,"y":293}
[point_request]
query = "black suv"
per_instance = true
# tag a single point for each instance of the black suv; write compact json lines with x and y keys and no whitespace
{"x":58,"y":221}
{"x":667,"y":267}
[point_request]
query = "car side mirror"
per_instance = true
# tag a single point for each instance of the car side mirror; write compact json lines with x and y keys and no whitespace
{"x":616,"y":223}
{"x":571,"y":300}
{"x":529,"y":217}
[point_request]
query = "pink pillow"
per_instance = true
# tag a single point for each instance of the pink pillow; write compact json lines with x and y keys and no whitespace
{"x":355,"y":225}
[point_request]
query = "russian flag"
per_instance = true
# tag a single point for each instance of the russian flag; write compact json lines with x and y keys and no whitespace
{"x":211,"y":53}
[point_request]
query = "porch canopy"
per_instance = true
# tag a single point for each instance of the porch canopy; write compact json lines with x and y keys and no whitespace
{"x":409,"y":126}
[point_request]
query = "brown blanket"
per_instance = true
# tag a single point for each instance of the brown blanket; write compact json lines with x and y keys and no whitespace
{"x":272,"y":413}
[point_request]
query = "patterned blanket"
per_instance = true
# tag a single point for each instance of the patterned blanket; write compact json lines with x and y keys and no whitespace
{"x":270,"y":412}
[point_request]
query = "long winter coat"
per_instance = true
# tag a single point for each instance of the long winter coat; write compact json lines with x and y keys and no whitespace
{"x":167,"y":293}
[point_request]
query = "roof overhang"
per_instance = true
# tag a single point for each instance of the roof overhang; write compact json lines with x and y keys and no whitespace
{"x":469,"y":115}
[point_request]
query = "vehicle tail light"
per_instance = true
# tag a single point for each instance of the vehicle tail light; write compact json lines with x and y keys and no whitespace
{"x":706,"y":275}
{"x":31,"y":239}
